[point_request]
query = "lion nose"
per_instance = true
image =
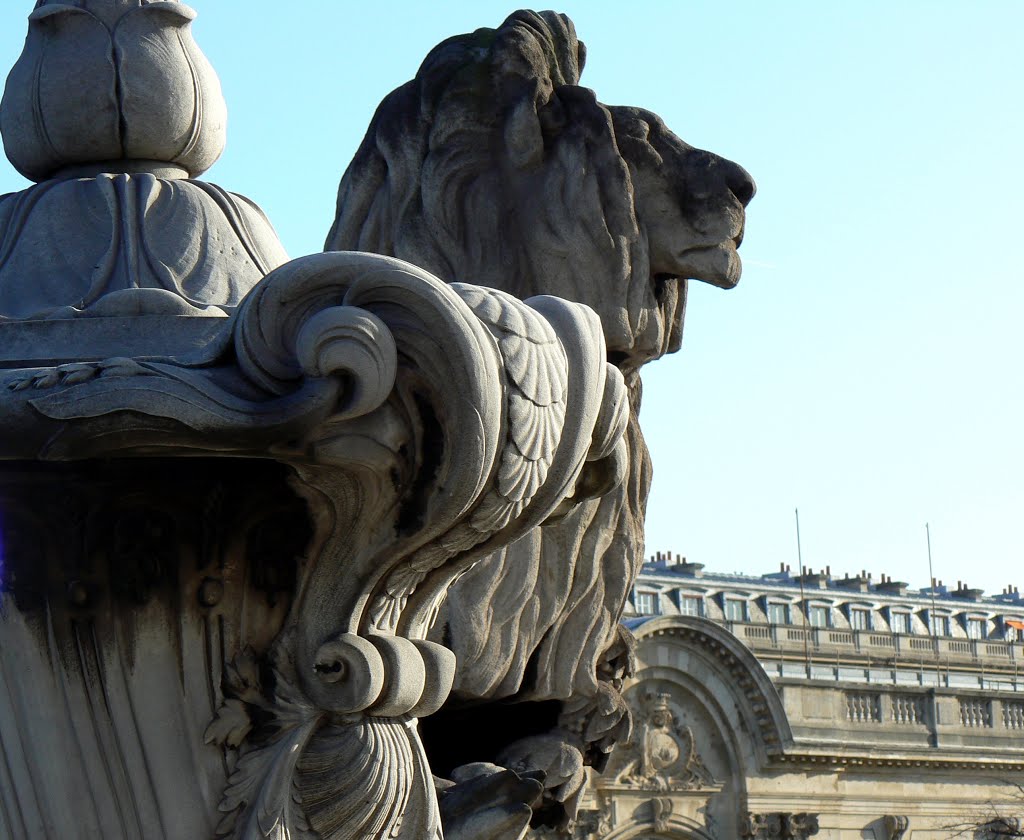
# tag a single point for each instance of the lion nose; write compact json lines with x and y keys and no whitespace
{"x":738,"y":180}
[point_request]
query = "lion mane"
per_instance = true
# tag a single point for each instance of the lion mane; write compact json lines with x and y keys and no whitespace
{"x":494,"y":167}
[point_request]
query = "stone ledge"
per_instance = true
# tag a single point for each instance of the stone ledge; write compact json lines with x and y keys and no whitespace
{"x":27,"y":344}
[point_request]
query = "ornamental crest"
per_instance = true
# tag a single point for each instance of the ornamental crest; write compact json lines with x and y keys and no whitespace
{"x":663,"y":754}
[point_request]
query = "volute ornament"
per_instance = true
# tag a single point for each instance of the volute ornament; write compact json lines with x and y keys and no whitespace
{"x":238,"y":491}
{"x":494,"y":165}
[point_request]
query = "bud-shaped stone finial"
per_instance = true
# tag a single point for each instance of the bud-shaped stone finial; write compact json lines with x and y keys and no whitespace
{"x":111,"y":85}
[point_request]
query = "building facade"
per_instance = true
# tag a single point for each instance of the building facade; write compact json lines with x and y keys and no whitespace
{"x":792,"y":706}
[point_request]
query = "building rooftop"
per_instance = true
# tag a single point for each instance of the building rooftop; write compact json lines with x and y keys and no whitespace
{"x":856,"y":628}
{"x":675,"y":565}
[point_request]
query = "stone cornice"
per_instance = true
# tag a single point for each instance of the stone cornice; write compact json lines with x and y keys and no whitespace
{"x":808,"y":759}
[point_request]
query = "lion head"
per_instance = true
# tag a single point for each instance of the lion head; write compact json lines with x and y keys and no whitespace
{"x":493,"y":166}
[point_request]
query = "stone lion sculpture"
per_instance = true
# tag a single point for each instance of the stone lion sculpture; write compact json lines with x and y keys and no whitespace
{"x":493,"y":166}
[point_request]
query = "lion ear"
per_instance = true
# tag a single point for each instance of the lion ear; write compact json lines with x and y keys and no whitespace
{"x":523,"y":135}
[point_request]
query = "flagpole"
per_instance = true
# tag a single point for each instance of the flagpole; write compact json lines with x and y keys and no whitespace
{"x":803,"y":601}
{"x":931,"y":576}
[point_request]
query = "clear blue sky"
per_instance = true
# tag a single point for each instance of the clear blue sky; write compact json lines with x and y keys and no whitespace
{"x":868,"y":367}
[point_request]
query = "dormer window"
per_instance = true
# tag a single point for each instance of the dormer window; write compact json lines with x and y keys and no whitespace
{"x":691,"y":605}
{"x":647,"y":603}
{"x":860,"y":618}
{"x":818,"y":615}
{"x":977,"y":628}
{"x":778,"y":613}
{"x":735,"y":609}
{"x":1013,"y":629}
{"x":899,"y":622}
{"x":939,"y":625}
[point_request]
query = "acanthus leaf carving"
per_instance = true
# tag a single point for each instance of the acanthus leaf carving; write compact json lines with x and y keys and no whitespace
{"x":308,"y":773}
{"x":261,"y":799}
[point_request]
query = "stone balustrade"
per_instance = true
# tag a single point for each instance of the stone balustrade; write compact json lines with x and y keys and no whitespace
{"x":911,"y":651}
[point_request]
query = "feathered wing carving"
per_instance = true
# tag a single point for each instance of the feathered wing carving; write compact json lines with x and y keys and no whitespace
{"x":534,"y":601}
{"x":536,"y":369}
{"x":494,"y":166}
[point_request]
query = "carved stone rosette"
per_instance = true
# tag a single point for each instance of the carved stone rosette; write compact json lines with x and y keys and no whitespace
{"x":219,"y":568}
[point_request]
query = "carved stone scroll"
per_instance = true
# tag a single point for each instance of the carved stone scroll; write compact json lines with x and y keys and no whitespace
{"x":417,"y":435}
{"x":495,"y":166}
{"x":222,"y":547}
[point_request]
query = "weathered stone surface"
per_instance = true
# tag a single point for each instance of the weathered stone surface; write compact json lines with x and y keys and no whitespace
{"x":258,"y":520}
{"x":113,"y":108}
{"x":130,"y":244}
{"x":493,"y":166}
{"x":283,"y":537}
{"x":111,"y":80}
